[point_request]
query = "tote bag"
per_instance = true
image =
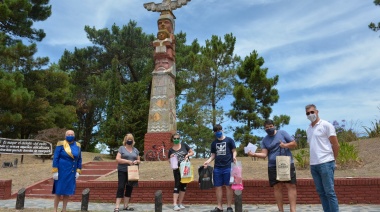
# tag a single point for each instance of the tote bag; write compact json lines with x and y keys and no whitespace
{"x":283,"y":167}
{"x":188,"y":179}
{"x":185,"y":169}
{"x":133,"y":173}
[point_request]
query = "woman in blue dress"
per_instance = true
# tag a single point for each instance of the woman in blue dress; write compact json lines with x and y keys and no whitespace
{"x":67,"y":165}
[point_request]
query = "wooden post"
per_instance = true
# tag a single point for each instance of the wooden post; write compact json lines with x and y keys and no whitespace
{"x":158,"y":201}
{"x":85,"y":199}
{"x":15,"y":163}
{"x":20,"y":199}
{"x":238,"y":201}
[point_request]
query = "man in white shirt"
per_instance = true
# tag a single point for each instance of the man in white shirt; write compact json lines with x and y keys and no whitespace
{"x":324,"y":148}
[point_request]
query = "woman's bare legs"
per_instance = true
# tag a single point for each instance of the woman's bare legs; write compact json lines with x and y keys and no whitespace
{"x":56,"y":202}
{"x":118,"y":200}
{"x":65,"y":201}
{"x":126,"y":202}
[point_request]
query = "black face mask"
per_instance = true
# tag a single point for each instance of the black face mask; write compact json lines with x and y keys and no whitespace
{"x":270,"y":131}
{"x":129,"y":142}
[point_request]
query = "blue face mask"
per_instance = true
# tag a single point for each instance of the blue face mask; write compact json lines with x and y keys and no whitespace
{"x":270,"y":131}
{"x":219,"y":134}
{"x":70,"y":138}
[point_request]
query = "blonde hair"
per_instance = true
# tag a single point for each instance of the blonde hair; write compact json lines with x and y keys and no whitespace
{"x":129,"y":136}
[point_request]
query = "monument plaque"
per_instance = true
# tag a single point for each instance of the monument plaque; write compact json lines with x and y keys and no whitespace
{"x":25,"y":147}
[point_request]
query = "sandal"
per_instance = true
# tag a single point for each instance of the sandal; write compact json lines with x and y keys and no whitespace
{"x":128,"y":209}
{"x":116,"y":210}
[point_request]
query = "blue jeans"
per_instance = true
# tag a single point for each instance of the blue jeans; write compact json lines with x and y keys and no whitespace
{"x":323,"y":176}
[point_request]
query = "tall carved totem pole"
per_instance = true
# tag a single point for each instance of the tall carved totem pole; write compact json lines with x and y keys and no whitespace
{"x":162,"y":111}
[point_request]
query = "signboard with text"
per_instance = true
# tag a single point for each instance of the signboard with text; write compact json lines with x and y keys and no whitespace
{"x":25,"y":147}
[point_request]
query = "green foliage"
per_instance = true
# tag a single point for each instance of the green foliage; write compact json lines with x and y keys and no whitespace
{"x":212,"y":74}
{"x":17,"y":17}
{"x":16,"y":20}
{"x":15,"y":56}
{"x":302,"y":158}
{"x":13,"y":96}
{"x":348,"y":154}
{"x":347,"y":135}
{"x":254,"y":95}
{"x":193,"y":130}
{"x":129,"y":45}
{"x":373,"y":131}
{"x":343,"y":134}
{"x":300,"y":137}
{"x":205,"y":75}
{"x":34,"y":101}
{"x":125,"y":112}
{"x":113,"y":98}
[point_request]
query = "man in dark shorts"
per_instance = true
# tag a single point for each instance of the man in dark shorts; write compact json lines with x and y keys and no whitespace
{"x":278,"y":142}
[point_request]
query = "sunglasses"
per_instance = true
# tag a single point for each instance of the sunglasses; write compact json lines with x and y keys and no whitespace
{"x":308,"y":113}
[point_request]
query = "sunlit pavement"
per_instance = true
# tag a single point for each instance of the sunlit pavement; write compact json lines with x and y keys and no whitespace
{"x":48,"y":204}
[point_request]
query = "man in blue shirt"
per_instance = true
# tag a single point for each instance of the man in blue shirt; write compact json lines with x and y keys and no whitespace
{"x":276,"y":143}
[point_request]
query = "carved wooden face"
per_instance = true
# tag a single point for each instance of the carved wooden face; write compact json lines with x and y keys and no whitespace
{"x":162,"y":64}
{"x":165,"y":24}
{"x":162,"y":34}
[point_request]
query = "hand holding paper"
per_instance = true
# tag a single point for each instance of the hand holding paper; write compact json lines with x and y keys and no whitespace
{"x":250,"y":147}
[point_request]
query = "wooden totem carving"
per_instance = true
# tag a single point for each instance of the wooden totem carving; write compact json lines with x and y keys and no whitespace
{"x":162,"y":110}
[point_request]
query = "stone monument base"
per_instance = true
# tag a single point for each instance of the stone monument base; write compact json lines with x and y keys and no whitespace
{"x":158,"y":139}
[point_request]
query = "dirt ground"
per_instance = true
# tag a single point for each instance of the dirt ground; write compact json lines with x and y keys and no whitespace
{"x":33,"y":169}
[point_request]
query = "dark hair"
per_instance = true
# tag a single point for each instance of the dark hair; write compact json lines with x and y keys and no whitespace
{"x":217,"y":128}
{"x":174,"y":135}
{"x":268,"y":122}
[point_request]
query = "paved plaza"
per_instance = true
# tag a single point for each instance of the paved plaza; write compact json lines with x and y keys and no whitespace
{"x":48,"y":203}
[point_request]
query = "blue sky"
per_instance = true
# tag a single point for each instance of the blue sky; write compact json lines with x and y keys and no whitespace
{"x":323,"y":51}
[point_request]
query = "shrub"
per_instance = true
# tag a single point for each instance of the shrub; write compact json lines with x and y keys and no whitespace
{"x":343,"y":134}
{"x":374,"y":131}
{"x":348,"y":156}
{"x":300,"y":138}
{"x":302,"y":158}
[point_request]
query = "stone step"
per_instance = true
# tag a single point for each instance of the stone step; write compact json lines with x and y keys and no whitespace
{"x":39,"y":191}
{"x":95,"y":171}
{"x":90,"y":171}
{"x":44,"y":196}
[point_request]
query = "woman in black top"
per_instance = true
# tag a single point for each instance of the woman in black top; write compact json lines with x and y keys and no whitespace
{"x":182,"y":151}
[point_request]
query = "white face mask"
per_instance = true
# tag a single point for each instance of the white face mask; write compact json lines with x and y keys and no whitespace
{"x":312,"y":117}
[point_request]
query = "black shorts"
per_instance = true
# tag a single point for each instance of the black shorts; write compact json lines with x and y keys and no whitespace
{"x":272,"y":174}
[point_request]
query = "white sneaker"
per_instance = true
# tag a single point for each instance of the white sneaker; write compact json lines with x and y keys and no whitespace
{"x":176,"y":208}
{"x":181,"y":206}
